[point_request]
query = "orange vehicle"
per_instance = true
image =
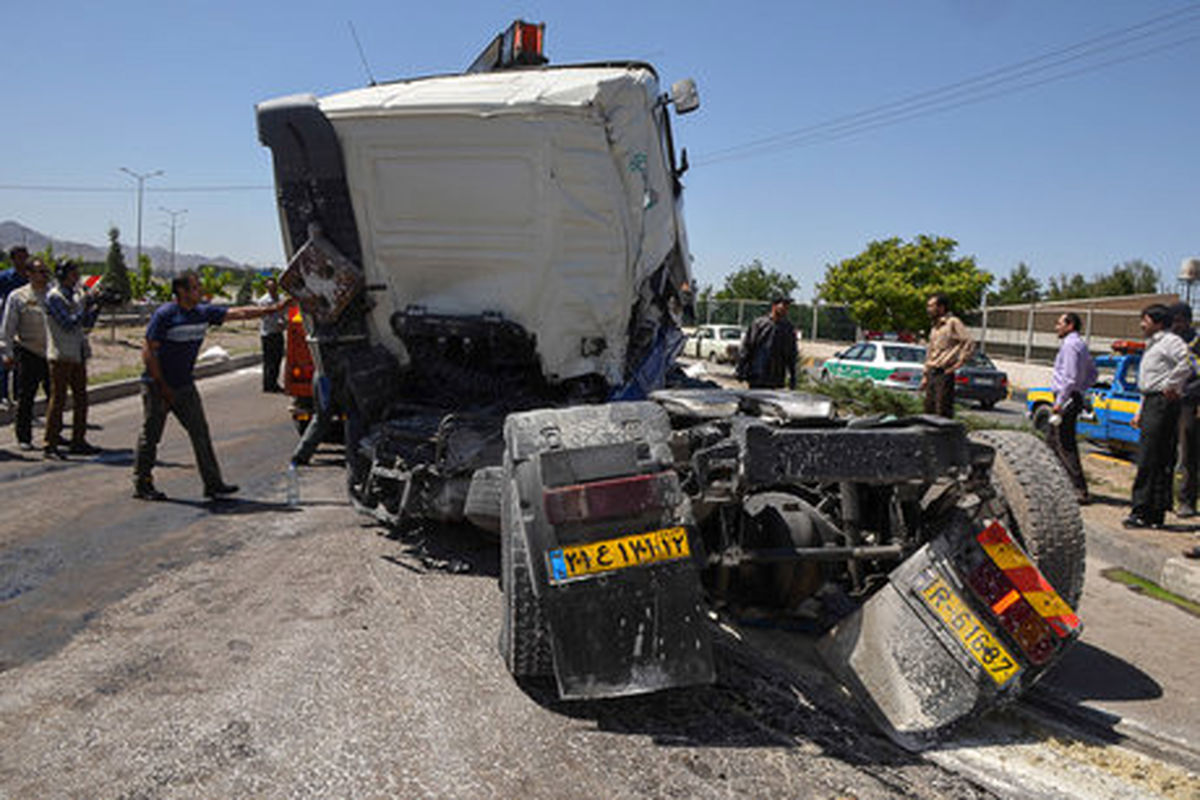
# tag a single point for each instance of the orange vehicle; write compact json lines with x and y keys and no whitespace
{"x":298,"y":368}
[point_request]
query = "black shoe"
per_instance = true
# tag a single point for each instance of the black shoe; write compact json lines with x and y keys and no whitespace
{"x":52,"y":453}
{"x":1134,"y":521}
{"x":84,"y":449}
{"x":1192,"y":553}
{"x":220,"y":490}
{"x":26,"y":446}
{"x":146,"y":491}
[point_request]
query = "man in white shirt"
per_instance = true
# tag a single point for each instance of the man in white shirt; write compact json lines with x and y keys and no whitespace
{"x":1164,"y":370}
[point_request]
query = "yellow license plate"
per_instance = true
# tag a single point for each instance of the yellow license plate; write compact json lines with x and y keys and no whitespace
{"x":966,"y":627}
{"x":580,"y":560}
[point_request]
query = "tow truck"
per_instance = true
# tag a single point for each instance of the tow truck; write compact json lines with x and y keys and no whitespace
{"x":1108,"y":407}
{"x":496,"y":269}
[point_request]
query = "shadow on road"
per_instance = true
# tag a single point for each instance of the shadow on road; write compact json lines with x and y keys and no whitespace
{"x":755,"y":702}
{"x":457,"y":549}
{"x":1089,"y":673}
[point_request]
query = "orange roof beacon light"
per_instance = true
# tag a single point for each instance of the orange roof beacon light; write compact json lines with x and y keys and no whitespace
{"x":1127,"y":346}
{"x":520,"y":45}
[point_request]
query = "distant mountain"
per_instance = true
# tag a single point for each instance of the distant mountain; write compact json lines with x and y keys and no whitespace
{"x":14,"y":233}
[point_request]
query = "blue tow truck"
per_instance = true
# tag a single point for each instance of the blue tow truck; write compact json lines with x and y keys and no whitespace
{"x":1108,"y":407}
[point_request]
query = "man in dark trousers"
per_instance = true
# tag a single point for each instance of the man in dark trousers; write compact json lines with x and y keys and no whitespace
{"x":270,"y":331}
{"x":949,"y":348}
{"x":1074,"y":373}
{"x":173,"y":340}
{"x":1189,"y":442}
{"x":769,"y":349}
{"x":1164,"y":370}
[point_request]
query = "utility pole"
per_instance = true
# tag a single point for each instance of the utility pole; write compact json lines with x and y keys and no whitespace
{"x":173,"y":214}
{"x":141,"y":178}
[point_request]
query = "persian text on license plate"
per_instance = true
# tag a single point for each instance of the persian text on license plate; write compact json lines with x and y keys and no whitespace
{"x":579,"y":560}
{"x":966,"y":627}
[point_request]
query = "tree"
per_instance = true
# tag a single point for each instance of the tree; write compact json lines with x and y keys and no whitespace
{"x":140,"y":281}
{"x":245,"y":292}
{"x":1018,"y":287}
{"x":1132,"y":277}
{"x":212,"y":282}
{"x":753,"y":281}
{"x":116,"y":276}
{"x":886,"y":285}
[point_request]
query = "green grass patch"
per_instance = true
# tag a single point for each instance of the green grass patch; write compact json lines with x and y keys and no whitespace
{"x":119,"y":374}
{"x":1151,"y":589}
{"x":864,"y":398}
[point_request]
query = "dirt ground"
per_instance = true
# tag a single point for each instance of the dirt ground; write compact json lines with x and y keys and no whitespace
{"x":117,"y":350}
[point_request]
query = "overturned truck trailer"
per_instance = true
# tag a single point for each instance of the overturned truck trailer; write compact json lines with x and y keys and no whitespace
{"x":494,"y":271}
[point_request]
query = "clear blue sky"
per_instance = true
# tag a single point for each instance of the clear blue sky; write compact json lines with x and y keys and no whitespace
{"x":1075,"y":174}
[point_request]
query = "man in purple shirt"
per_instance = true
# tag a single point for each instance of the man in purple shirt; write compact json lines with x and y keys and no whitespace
{"x":1074,"y":373}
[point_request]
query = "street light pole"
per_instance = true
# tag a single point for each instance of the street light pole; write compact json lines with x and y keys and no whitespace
{"x":141,"y":178}
{"x":173,"y":214}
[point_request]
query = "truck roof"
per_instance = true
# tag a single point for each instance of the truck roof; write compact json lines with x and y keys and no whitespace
{"x":505,"y":90}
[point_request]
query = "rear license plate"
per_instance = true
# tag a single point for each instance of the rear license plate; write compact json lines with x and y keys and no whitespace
{"x":966,"y":627}
{"x":984,"y":382}
{"x":592,"y":558}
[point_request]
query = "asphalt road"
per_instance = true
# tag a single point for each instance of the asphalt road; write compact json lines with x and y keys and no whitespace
{"x":248,"y":649}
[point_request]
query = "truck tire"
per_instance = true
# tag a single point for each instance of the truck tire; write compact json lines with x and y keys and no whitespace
{"x":484,"y":499}
{"x":1041,"y":418}
{"x":523,"y":641}
{"x":1040,"y":507}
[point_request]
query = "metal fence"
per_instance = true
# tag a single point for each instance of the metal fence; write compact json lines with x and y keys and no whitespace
{"x":831,"y":322}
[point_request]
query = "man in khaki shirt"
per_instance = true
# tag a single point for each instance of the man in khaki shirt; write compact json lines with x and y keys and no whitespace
{"x":949,"y":348}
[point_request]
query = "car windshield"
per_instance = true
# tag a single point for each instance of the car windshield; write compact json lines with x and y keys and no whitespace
{"x":981,"y":361}
{"x":908,"y":355}
{"x":731,"y":333}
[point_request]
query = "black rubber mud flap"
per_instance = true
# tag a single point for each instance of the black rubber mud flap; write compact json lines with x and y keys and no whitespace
{"x":628,"y":631}
{"x":644,"y":630}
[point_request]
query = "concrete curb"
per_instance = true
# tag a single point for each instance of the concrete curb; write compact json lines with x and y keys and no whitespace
{"x":1167,"y":569}
{"x":103,"y":392}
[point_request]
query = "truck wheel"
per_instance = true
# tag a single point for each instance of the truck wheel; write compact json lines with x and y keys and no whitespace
{"x":523,"y":641}
{"x":484,"y":499}
{"x":1040,"y":507}
{"x":1041,"y":418}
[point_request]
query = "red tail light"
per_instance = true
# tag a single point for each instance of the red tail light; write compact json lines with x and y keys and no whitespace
{"x":1014,"y":613}
{"x":617,"y":497}
{"x":962,"y":380}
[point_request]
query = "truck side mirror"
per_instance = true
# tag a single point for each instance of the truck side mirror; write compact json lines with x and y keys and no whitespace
{"x":684,"y":96}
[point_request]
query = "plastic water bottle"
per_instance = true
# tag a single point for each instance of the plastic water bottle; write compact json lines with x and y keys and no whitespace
{"x":293,"y":485}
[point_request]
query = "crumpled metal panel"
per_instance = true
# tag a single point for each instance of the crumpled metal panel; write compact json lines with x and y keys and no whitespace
{"x":321,"y":279}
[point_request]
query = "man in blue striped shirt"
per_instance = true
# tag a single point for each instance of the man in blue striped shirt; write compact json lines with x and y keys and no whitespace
{"x":173,"y":340}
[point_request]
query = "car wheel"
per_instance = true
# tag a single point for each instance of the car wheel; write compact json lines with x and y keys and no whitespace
{"x":987,"y":405}
{"x":825,"y":377}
